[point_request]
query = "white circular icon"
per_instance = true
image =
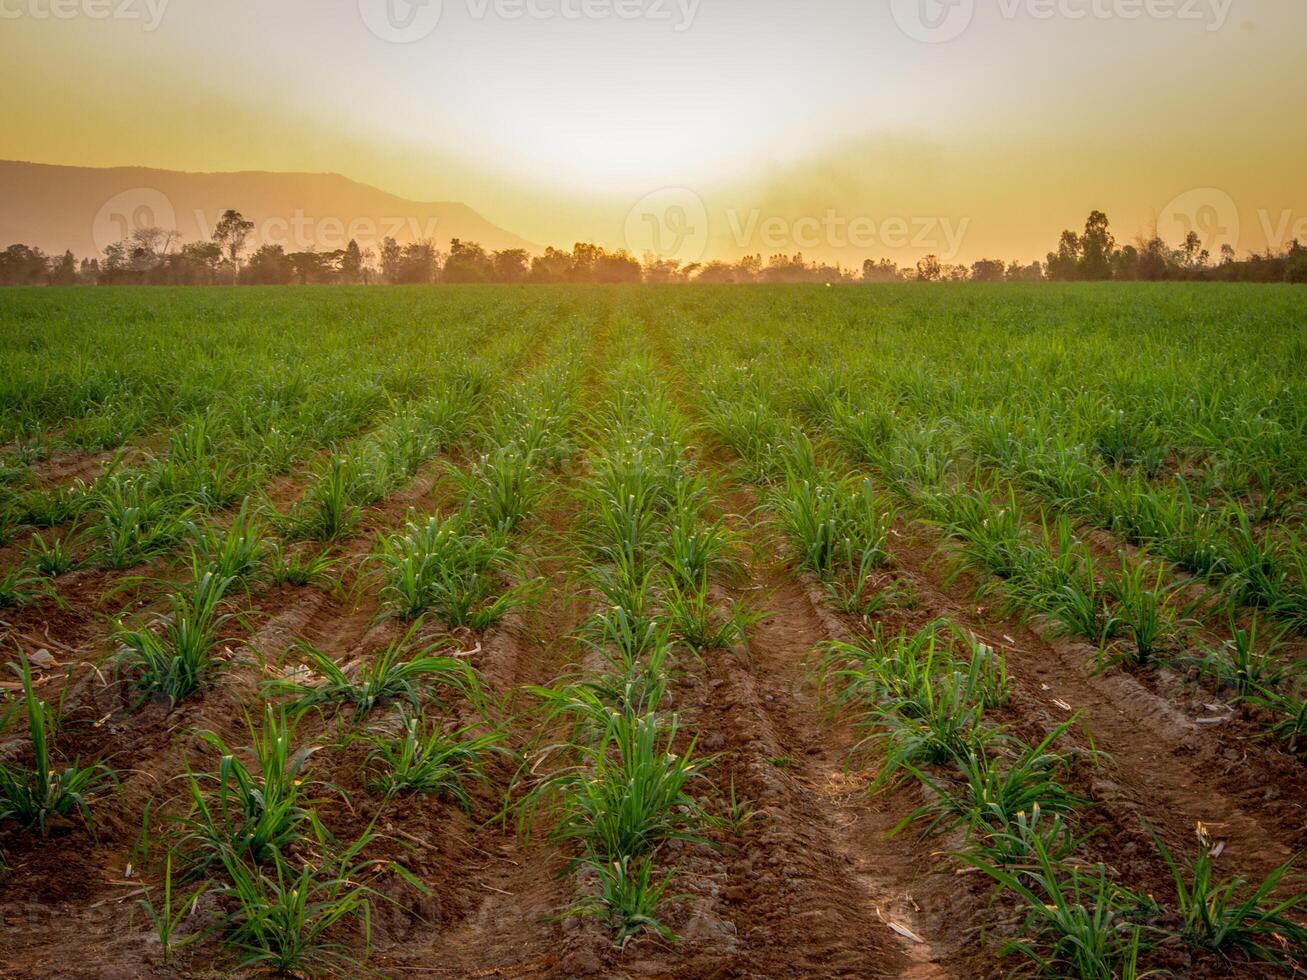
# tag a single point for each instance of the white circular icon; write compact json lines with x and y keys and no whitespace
{"x":933,"y":21}
{"x":401,"y":21}
{"x":132,"y":211}
{"x":1209,"y":213}
{"x":671,"y":223}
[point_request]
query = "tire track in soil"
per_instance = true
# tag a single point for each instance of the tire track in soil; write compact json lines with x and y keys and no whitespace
{"x":817,"y":883}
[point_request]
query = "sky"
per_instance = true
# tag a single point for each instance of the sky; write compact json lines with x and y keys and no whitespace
{"x":844,"y":129}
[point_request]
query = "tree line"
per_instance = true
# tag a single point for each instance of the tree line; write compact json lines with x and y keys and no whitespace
{"x":155,"y":256}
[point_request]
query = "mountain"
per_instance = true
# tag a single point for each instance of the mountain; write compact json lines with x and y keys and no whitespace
{"x":84,"y":209}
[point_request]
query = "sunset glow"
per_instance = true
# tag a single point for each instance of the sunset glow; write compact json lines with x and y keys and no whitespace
{"x":553,"y":118}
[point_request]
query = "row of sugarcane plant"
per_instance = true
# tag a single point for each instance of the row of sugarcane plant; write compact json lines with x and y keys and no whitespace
{"x":1229,"y":511}
{"x":213,"y":460}
{"x":73,"y":385}
{"x":250,"y":830}
{"x":1209,"y":391}
{"x":173,"y":656}
{"x":922,"y":701}
{"x":1049,"y":409}
{"x":466,"y":568}
{"x":408,"y":752}
{"x":285,"y":893}
{"x":623,"y":779}
{"x":1250,"y":552}
{"x":228,"y":447}
{"x":87,"y":379}
{"x":133,"y":516}
{"x":1131,"y":609}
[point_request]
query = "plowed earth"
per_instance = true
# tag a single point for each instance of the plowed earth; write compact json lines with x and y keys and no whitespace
{"x":811,"y":884}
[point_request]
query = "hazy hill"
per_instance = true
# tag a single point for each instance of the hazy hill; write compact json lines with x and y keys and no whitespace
{"x":81,"y":208}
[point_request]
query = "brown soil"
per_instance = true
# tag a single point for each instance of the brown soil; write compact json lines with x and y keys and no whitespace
{"x":809,"y":884}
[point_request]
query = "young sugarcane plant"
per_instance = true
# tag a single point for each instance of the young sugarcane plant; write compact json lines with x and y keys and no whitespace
{"x":246,"y":813}
{"x":174,"y":657}
{"x":429,"y":760}
{"x":33,"y":797}
{"x":397,"y":673}
{"x":1263,"y":923}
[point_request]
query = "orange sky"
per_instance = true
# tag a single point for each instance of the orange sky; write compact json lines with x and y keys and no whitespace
{"x":703,"y":127}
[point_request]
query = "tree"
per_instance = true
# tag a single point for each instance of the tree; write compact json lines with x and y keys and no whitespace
{"x":883,"y":271}
{"x":786,"y":268}
{"x":1154,"y":259}
{"x":415,"y":263}
{"x":1064,"y":264}
{"x":1195,"y":256}
{"x":717,"y":272}
{"x":1125,"y":263}
{"x":351,"y":263}
{"x":929,"y":269}
{"x":231,"y":233}
{"x":616,"y":267}
{"x":269,"y":266}
{"x":554,"y":266}
{"x":1096,"y":247}
{"x":1296,"y":262}
{"x":467,"y":262}
{"x":115,"y":261}
{"x":584,"y":257}
{"x":201,"y":260}
{"x":313,"y":267}
{"x":1017,"y":272}
{"x":988,"y":270}
{"x":511,"y":264}
{"x":391,"y":257}
{"x":63,"y":270}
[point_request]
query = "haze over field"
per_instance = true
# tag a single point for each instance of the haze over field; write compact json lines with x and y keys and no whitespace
{"x":842,"y":129}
